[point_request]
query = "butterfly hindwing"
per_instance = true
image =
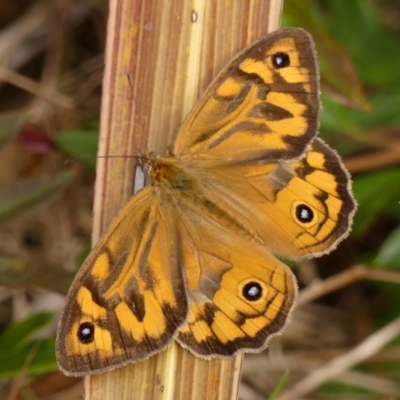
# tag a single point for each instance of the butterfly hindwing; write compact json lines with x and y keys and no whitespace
{"x":239,"y":294}
{"x":305,"y":204}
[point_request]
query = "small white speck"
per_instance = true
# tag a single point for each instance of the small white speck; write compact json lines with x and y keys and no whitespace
{"x":86,"y":331}
{"x":305,"y":214}
{"x":254,"y":291}
{"x":139,"y":179}
{"x":194,"y":16}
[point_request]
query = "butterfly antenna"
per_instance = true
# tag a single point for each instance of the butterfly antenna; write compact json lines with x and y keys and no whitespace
{"x":137,"y":122}
{"x":71,"y":159}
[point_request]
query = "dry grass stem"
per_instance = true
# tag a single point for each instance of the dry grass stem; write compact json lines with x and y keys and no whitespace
{"x":320,"y":288}
{"x":369,"y":382}
{"x":171,"y":52}
{"x":37,"y":89}
{"x":373,"y":161}
{"x":337,"y":366}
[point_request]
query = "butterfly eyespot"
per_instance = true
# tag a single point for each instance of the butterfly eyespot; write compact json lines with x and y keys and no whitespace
{"x":304,"y":214}
{"x":252,"y":291}
{"x":281,"y":60}
{"x":86,"y":332}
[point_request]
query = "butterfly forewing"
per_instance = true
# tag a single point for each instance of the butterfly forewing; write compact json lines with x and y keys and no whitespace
{"x":129,"y":298}
{"x":263,"y":106}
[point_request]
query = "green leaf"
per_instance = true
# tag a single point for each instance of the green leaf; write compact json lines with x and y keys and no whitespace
{"x":19,"y":350}
{"x":33,"y":358}
{"x":278,"y":388}
{"x":372,"y":47}
{"x":17,"y":334}
{"x":78,"y":143}
{"x":338,"y":74}
{"x":389,"y":252}
{"x":375,"y":192}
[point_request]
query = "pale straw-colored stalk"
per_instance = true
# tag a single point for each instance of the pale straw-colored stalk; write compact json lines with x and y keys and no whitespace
{"x":160,"y":57}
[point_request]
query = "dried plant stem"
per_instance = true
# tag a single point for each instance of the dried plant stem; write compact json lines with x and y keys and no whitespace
{"x":358,"y":379}
{"x":337,"y":369}
{"x":37,"y":89}
{"x":337,"y":366}
{"x":354,"y":274}
{"x":160,"y":56}
{"x":371,"y":162}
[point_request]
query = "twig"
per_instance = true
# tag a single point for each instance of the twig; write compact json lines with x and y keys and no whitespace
{"x":321,"y":288}
{"x":35,"y":88}
{"x":342,"y":363}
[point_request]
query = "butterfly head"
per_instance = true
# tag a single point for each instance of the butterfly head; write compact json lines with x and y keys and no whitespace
{"x":147,"y":162}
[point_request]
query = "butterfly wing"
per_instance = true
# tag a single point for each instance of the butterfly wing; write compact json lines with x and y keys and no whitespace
{"x":296,"y":208}
{"x":239,"y":294}
{"x":304,"y":207}
{"x":263,"y":106}
{"x":129,"y":298}
{"x":251,"y":141}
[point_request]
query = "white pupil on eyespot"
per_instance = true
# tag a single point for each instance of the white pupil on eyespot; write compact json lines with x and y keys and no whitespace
{"x":86,"y":331}
{"x":305,"y":214}
{"x":253,"y":291}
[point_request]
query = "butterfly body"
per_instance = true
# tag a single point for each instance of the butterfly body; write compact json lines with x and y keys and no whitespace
{"x":186,"y":187}
{"x":191,"y":257}
{"x":169,"y":173}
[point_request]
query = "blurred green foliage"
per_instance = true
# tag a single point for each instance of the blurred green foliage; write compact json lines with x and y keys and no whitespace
{"x":363,"y":121}
{"x":356,"y":27}
{"x":79,"y":143}
{"x":21,"y":352}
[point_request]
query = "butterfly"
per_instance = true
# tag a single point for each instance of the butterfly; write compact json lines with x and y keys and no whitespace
{"x":192,"y":257}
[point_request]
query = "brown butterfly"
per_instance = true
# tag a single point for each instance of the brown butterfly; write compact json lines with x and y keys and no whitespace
{"x":190,"y":257}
